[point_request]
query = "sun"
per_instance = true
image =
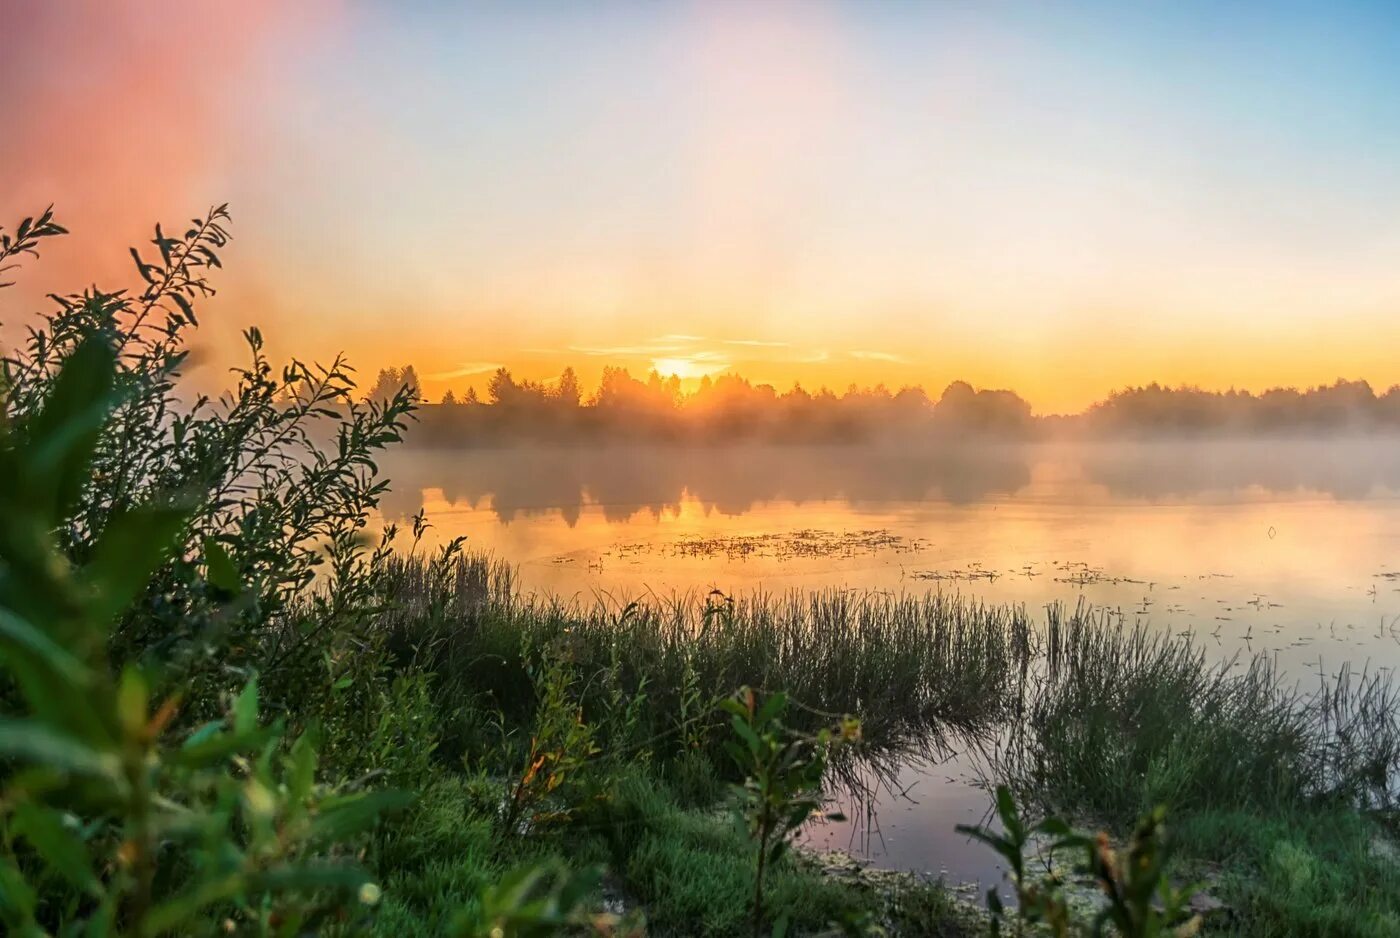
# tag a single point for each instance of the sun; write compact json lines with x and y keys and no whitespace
{"x":684,"y":367}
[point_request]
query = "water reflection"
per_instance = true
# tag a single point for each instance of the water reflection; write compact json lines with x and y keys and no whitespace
{"x":1287,"y":548}
{"x":525,"y":482}
{"x":529,"y":482}
{"x":1343,"y":469}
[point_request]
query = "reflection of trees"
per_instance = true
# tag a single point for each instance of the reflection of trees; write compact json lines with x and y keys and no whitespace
{"x":1343,"y":469}
{"x":523,"y":481}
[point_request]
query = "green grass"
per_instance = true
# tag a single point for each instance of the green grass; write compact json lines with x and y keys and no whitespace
{"x":1317,"y":871}
{"x":437,"y":859}
{"x":1270,"y":788}
{"x":687,"y":865}
{"x":1117,"y":721}
{"x":918,"y":668}
{"x":692,"y":868}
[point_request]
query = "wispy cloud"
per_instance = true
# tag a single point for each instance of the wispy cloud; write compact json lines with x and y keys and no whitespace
{"x":681,"y":337}
{"x":619,"y":351}
{"x":462,"y":371}
{"x":756,"y":343}
{"x":665,"y":345}
{"x":868,"y":356}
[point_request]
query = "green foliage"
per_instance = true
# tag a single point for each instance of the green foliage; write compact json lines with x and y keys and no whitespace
{"x":1308,"y":872}
{"x":694,"y":873}
{"x":168,"y":567}
{"x":1140,"y":901}
{"x":1120,"y":721}
{"x":543,"y":899}
{"x":782,"y":777}
{"x":277,"y":479}
{"x":561,"y":745}
{"x":111,"y":821}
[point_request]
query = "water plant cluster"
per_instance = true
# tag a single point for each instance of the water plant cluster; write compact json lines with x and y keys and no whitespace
{"x":229,"y":705}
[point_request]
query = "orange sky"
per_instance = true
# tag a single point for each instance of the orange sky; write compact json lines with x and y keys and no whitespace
{"x":1061,"y":202}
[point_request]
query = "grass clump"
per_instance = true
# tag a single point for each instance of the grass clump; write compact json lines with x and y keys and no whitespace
{"x":1306,"y":871}
{"x":1117,"y":721}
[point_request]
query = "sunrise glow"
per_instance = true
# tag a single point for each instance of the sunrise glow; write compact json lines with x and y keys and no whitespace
{"x":1059,"y":199}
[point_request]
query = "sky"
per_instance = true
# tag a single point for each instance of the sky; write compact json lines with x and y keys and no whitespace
{"x":1060,"y":198}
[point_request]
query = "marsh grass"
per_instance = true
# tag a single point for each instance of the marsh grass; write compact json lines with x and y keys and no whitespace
{"x":1118,"y":720}
{"x":1304,"y":871}
{"x":922,"y":670}
{"x":1078,"y":713}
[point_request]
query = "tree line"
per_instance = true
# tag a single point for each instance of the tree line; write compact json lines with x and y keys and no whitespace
{"x":731,"y":407}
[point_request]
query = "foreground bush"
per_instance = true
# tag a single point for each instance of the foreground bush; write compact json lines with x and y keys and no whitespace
{"x":111,"y":821}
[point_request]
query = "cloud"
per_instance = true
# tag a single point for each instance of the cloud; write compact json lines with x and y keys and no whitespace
{"x":464,"y":370}
{"x":646,"y":349}
{"x":868,"y":356}
{"x":756,"y":343}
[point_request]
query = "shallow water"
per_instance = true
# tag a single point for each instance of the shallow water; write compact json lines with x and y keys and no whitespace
{"x":1287,"y":547}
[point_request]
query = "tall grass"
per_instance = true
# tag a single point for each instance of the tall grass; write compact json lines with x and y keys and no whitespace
{"x":1119,"y":719}
{"x":1088,"y":716}
{"x":919,"y":669}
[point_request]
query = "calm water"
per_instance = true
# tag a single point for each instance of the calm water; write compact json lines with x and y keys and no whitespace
{"x":1290,"y":548}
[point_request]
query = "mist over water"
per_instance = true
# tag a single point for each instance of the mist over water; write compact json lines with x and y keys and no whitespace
{"x":1286,"y":547}
{"x":1290,"y":547}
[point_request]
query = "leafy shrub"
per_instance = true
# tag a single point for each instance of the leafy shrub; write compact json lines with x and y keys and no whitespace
{"x":561,"y":744}
{"x":1140,"y":901}
{"x":111,"y":821}
{"x":277,"y":478}
{"x":782,"y":778}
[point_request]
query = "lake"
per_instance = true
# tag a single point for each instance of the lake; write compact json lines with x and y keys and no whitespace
{"x":1288,"y":547}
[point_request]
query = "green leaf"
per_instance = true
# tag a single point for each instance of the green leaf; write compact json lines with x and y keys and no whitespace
{"x":1055,"y":827}
{"x":772,"y":707}
{"x":746,"y":733}
{"x":132,"y":547}
{"x":212,"y":747}
{"x":132,"y":701}
{"x":222,"y":573}
{"x":32,"y":741}
{"x":58,"y":845}
{"x":63,"y":435}
{"x":1006,"y":809}
{"x":169,"y":915}
{"x":338,"y":818}
{"x":16,"y":899}
{"x":245,"y":708}
{"x":308,"y":878}
{"x":303,"y":774}
{"x":21,"y":635}
{"x":999,"y":844}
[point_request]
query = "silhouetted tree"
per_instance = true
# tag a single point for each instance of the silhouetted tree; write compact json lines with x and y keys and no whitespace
{"x":390,"y":380}
{"x":501,"y":388}
{"x":568,"y":393}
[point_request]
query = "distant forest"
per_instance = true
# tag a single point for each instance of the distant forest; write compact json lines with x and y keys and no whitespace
{"x":731,"y":408}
